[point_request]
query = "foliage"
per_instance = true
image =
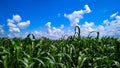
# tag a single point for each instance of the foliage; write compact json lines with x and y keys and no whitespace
{"x":73,"y":52}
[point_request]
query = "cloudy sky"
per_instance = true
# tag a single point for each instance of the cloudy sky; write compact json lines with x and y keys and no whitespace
{"x":56,"y":18}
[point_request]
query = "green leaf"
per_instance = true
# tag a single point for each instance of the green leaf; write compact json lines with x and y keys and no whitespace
{"x":81,"y":60}
{"x":39,"y":61}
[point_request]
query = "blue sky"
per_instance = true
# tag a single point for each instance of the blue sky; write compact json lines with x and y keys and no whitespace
{"x":50,"y":17}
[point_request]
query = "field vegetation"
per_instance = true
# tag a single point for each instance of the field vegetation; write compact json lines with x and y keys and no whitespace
{"x":74,"y":52}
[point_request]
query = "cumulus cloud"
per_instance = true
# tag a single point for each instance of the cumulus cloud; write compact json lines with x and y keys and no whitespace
{"x":117,"y":17}
{"x":1,"y":29}
{"x":102,"y":30}
{"x":37,"y":33}
{"x":76,"y":16}
{"x":14,"y":30}
{"x":15,"y":24}
{"x":86,"y":28}
{"x":11,"y":23}
{"x":24,"y":24}
{"x":12,"y":35}
{"x":106,"y":22}
{"x":88,"y":10}
{"x":48,"y":24}
{"x":88,"y":25}
{"x":113,"y":15}
{"x":62,"y":26}
{"x":111,"y":27}
{"x":53,"y":32}
{"x":16,"y":18}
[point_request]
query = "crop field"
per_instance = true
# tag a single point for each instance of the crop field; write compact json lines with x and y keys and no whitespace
{"x":73,"y":52}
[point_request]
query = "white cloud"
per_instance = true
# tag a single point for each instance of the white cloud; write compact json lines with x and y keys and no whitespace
{"x":14,"y":30}
{"x":12,"y":26}
{"x":11,"y":23}
{"x":53,"y":32}
{"x":88,"y":10}
{"x":91,"y":24}
{"x":111,"y":27}
{"x":1,"y":29}
{"x":86,"y":28}
{"x":36,"y":32}
{"x":24,"y":24}
{"x":101,"y":30}
{"x":16,"y":18}
{"x":56,"y":31}
{"x":106,"y":22}
{"x":114,"y":15}
{"x":114,"y":26}
{"x":76,"y":16}
{"x":48,"y":24}
{"x":117,"y":17}
{"x":12,"y":35}
{"x":15,"y":24}
{"x":62,"y":26}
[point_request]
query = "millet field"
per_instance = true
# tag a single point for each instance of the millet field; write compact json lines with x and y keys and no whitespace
{"x":74,"y":52}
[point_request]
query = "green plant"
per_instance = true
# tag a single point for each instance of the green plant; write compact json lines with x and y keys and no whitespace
{"x":74,"y":52}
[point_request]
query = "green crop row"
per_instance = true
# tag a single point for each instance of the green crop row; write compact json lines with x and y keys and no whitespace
{"x":73,"y":52}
